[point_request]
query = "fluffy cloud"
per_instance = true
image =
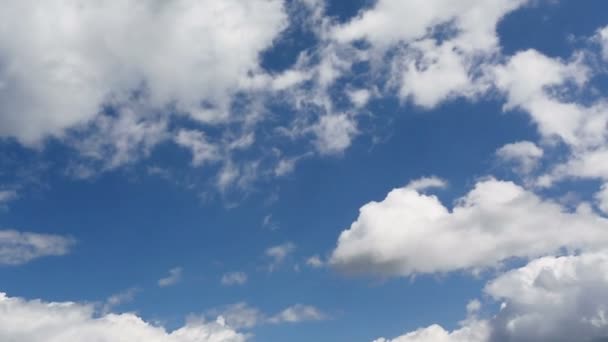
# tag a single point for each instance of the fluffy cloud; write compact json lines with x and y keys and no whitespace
{"x":34,"y":321}
{"x":557,"y":299}
{"x":527,"y":78}
{"x":444,"y":40}
{"x":524,"y":154}
{"x":553,"y":299}
{"x":409,"y":232}
{"x":62,"y":60}
{"x":477,"y":332}
{"x":20,"y":247}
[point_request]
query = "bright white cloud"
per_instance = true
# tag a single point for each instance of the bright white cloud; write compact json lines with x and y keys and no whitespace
{"x":234,"y":278}
{"x":426,"y":183}
{"x":21,"y":247}
{"x":174,"y":277}
{"x":409,"y":232}
{"x":438,"y":52}
{"x":525,"y":155}
{"x":61,"y":60}
{"x":476,"y":332}
{"x":35,"y":320}
{"x":552,"y":299}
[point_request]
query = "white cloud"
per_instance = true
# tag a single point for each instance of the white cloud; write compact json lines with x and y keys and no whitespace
{"x":426,"y":183}
{"x":36,"y":320}
{"x":58,"y":69}
{"x":334,"y":133}
{"x":526,"y":80}
{"x":602,"y":36}
{"x":202,"y":150}
{"x":524,"y":154}
{"x":114,"y":141}
{"x":601,"y":198}
{"x":315,"y":262}
{"x":174,"y":277}
{"x":119,"y":299}
{"x":21,"y":247}
{"x":383,"y":24}
{"x":234,"y":278}
{"x":242,"y":315}
{"x":409,"y":232}
{"x":359,"y":97}
{"x":297,"y":313}
{"x":278,"y":254}
{"x":552,"y":299}
{"x":477,"y":332}
{"x":438,"y":52}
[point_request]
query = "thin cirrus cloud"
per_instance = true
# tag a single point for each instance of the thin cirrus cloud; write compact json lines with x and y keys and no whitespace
{"x":242,"y":315}
{"x":234,"y":278}
{"x":174,"y":277}
{"x":18,"y":248}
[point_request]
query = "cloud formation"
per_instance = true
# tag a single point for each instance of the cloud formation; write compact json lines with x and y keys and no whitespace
{"x":410,"y":232}
{"x":557,"y":299}
{"x":35,"y":320}
{"x":18,"y":248}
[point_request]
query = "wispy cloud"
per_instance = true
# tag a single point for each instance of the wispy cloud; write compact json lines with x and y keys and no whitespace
{"x":18,"y":248}
{"x":174,"y":277}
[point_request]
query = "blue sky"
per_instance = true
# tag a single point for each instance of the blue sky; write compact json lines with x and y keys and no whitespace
{"x":267,"y":170}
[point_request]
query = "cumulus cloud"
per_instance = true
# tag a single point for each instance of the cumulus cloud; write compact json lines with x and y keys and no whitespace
{"x":174,"y":277}
{"x":410,"y":232}
{"x":17,"y":248}
{"x":182,"y":53}
{"x":234,"y":278}
{"x":559,"y":299}
{"x":477,"y":332}
{"x":525,"y":155}
{"x":526,"y":79}
{"x":444,"y":41}
{"x":35,"y":320}
{"x":334,"y":133}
